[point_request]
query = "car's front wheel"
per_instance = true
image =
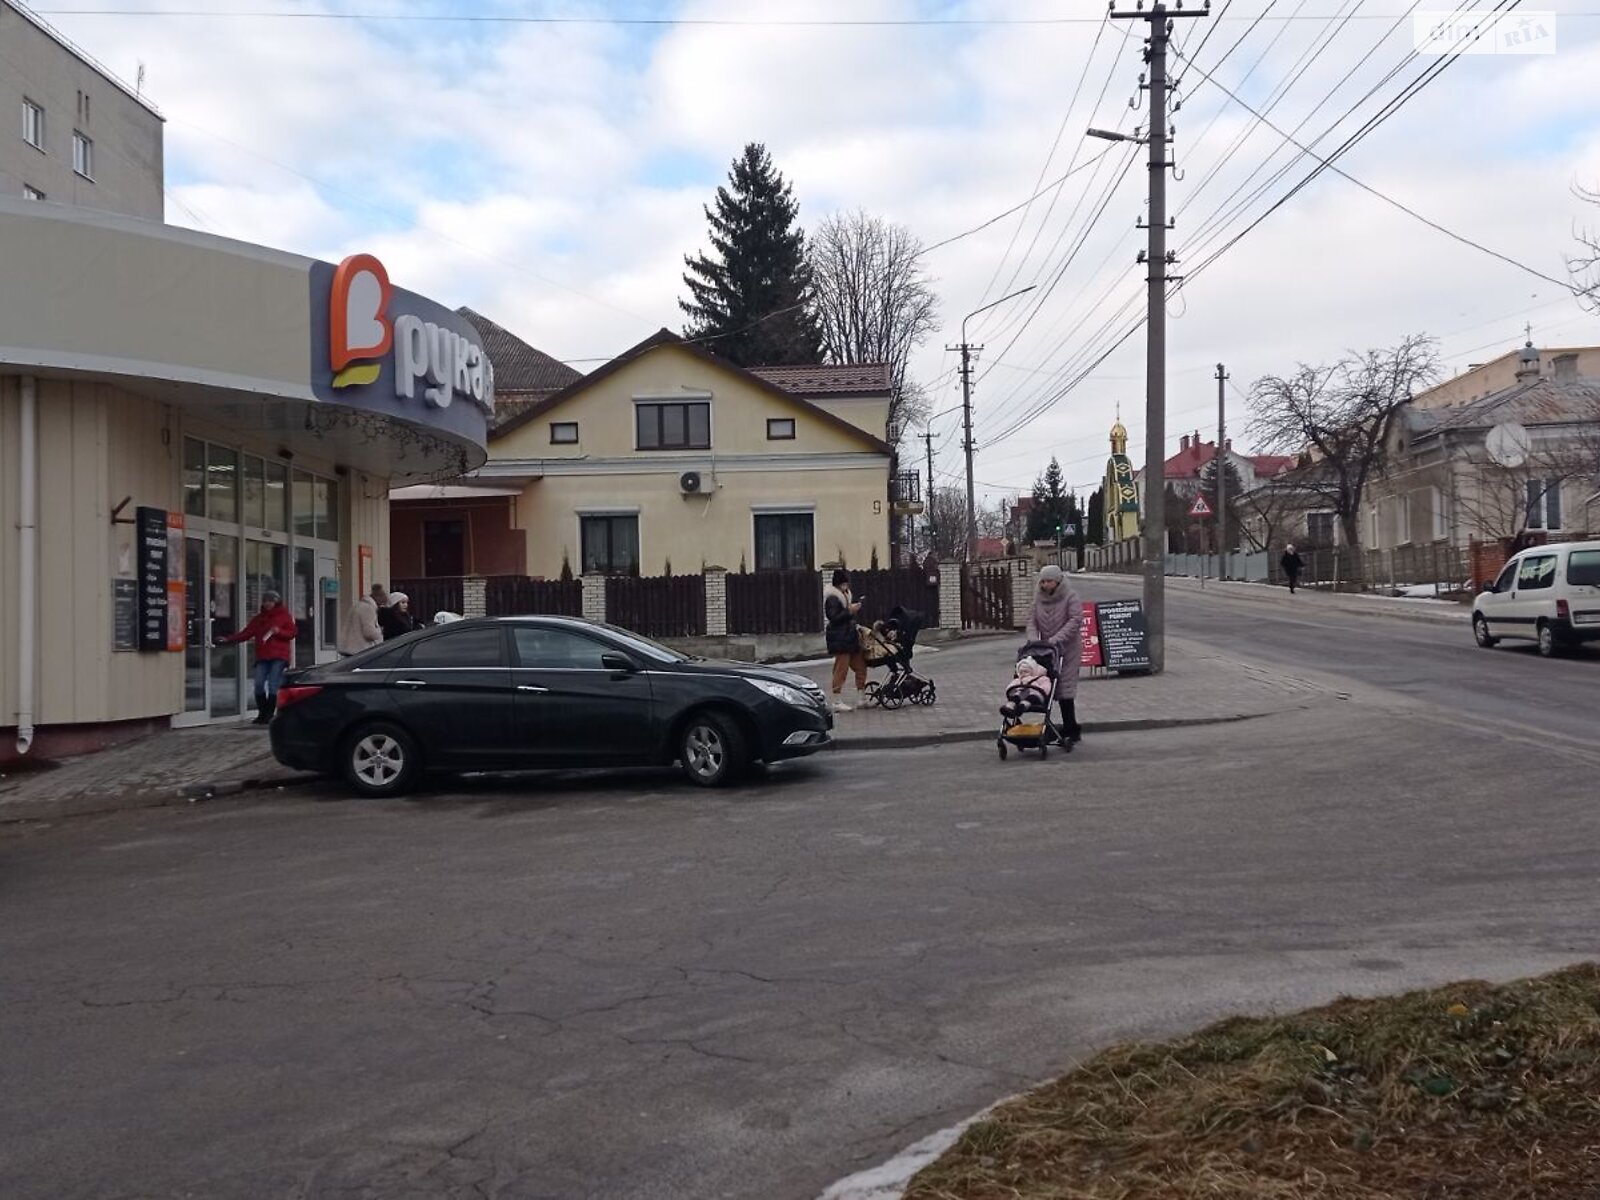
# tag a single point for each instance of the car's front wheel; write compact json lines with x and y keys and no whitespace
{"x":712,"y":750}
{"x":1480,"y":632}
{"x":380,"y":760}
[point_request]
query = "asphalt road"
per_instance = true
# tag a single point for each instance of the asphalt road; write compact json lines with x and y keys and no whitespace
{"x":1440,"y":665}
{"x":623,"y":987}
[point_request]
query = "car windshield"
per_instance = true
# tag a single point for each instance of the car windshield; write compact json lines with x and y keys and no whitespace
{"x":644,"y":646}
{"x":1583,"y":568}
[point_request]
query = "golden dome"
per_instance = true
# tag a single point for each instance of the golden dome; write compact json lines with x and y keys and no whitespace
{"x":1119,"y":439}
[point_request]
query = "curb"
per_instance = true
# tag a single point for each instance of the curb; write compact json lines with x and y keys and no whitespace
{"x":951,"y":737}
{"x":89,"y":806}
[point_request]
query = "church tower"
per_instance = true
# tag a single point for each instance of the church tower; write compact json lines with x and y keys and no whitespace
{"x":1120,"y":492}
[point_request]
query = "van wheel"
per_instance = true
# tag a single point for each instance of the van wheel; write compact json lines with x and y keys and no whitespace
{"x":712,"y":750}
{"x":1548,"y":646}
{"x":380,"y":760}
{"x":1480,"y":631}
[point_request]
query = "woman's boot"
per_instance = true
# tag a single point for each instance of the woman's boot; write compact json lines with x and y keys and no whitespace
{"x":1069,"y":722}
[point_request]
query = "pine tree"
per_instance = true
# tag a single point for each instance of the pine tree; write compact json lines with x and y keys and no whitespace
{"x":1095,"y":523}
{"x":752,"y":300}
{"x":1052,"y":505}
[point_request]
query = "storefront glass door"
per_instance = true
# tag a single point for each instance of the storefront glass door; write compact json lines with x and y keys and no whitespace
{"x":227,"y":661}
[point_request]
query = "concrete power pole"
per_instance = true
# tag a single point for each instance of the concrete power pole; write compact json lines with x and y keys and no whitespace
{"x":1160,"y":18}
{"x":966,"y":349}
{"x":927,"y":437}
{"x":1222,"y":473}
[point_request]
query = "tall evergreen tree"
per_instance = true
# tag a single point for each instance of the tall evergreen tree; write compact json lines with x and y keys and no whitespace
{"x":1052,"y":504}
{"x":1095,"y":522}
{"x":751,"y":301}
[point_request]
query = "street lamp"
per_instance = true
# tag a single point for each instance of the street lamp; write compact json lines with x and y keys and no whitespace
{"x":966,"y":412}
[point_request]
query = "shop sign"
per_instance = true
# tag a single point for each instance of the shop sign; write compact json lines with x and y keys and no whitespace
{"x":151,"y":576}
{"x":1124,"y":635}
{"x":375,"y":343}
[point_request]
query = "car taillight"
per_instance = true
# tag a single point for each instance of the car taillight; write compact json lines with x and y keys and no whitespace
{"x":1563,"y":610}
{"x":295,"y":693}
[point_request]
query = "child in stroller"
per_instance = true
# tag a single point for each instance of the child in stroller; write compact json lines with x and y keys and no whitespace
{"x":890,"y":644}
{"x":1026,"y":722}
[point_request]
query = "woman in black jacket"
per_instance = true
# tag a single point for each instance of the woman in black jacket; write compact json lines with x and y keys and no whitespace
{"x":839,"y":610}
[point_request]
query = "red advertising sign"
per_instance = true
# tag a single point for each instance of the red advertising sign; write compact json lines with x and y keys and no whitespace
{"x":177,"y":597}
{"x":1092,"y":655}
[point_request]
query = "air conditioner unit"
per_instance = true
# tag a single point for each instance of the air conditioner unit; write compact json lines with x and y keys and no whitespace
{"x":690,"y":483}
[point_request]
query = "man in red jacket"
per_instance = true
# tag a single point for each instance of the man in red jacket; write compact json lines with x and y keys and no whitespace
{"x":272,"y":630}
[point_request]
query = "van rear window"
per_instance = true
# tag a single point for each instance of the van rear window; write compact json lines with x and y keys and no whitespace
{"x":1583,"y":568}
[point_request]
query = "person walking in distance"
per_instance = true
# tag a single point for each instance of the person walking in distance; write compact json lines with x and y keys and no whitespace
{"x":272,"y":630}
{"x":1057,"y":618}
{"x":839,"y":612}
{"x":1292,"y":565}
{"x":360,"y":629}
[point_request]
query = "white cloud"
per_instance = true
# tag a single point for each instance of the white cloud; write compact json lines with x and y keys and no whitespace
{"x":552,"y":176}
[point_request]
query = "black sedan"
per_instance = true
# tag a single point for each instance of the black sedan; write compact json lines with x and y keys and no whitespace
{"x":527,"y":693}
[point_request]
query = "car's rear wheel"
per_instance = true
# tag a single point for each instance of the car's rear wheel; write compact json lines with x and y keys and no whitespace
{"x":1480,"y":632}
{"x":712,"y":750}
{"x":380,"y":760}
{"x":1549,"y":647}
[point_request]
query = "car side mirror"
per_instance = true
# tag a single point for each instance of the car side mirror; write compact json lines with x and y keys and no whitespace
{"x":613,"y":661}
{"x":1488,"y":586}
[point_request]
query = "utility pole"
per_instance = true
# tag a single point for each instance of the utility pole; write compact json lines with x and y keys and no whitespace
{"x":927,"y":437}
{"x":966,"y":349}
{"x":1222,"y":473}
{"x":1160,"y":18}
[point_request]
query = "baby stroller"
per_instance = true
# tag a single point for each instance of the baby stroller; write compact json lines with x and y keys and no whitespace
{"x":891,"y":644}
{"x":1026,"y":720}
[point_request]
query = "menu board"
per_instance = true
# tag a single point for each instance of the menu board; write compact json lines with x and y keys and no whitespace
{"x":1092,"y":655}
{"x":1124,"y":635}
{"x":124,"y":614}
{"x":150,"y":555}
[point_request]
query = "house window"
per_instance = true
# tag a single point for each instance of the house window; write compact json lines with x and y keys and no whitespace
{"x":674,"y":426}
{"x":1544,"y":504}
{"x":82,"y":155}
{"x":563,"y":433}
{"x":33,"y":124}
{"x":780,"y":429}
{"x":784,"y":541}
{"x":444,"y":549}
{"x":1319,"y":528}
{"x":30,"y":192}
{"x":611,"y":544}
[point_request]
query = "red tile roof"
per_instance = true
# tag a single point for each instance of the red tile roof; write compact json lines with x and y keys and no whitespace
{"x":1187,"y":464}
{"x":821,"y":379}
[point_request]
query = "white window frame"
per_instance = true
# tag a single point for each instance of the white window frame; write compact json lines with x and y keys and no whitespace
{"x":29,"y":192}
{"x":83,"y":155}
{"x":33,"y":123}
{"x":1540,"y":519}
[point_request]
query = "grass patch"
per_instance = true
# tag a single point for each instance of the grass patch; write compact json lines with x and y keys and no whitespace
{"x":1472,"y":1090}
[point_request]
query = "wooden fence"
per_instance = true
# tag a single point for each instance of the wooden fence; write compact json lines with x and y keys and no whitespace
{"x":514,"y":595}
{"x":430,"y":596}
{"x":769,"y":602}
{"x":882,"y":590}
{"x":668,"y":606}
{"x":986,"y":598}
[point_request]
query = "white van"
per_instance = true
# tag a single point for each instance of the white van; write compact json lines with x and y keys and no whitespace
{"x":1547,"y":594}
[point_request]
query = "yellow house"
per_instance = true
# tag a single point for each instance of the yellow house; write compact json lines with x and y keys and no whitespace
{"x":669,"y":458}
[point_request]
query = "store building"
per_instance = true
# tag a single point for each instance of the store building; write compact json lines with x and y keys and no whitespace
{"x":186,"y":422}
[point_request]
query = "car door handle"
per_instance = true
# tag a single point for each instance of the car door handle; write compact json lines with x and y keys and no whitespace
{"x":523,"y":687}
{"x":411,"y":683}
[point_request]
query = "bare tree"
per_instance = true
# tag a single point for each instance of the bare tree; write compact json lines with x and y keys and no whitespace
{"x":873,"y":302}
{"x":1269,"y":514}
{"x":1342,"y":413}
{"x":1504,"y":503}
{"x":1584,"y":267}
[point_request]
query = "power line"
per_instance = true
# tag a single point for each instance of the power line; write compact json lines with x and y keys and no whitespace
{"x":1054,"y":183}
{"x":655,"y":22}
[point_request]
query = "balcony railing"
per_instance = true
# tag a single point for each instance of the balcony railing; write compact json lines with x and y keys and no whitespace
{"x":906,"y":488}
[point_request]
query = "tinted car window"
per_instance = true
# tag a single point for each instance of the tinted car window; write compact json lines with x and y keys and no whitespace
{"x":1537,"y":572}
{"x":1583,"y":568}
{"x":1507,"y":578}
{"x":556,"y":649}
{"x":461,"y":648}
{"x":380,"y":660}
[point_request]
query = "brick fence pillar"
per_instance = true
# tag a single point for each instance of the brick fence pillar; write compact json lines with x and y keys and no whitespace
{"x":950,"y":595}
{"x":1022,"y":586}
{"x":716,"y":602}
{"x":474,"y":596}
{"x":594,"y":597}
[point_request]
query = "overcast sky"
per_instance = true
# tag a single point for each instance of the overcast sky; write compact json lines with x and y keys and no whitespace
{"x":552,"y":175}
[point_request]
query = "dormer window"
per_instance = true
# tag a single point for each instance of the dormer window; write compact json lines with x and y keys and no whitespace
{"x":673,"y":425}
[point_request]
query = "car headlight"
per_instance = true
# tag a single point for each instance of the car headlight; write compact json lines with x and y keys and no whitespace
{"x":783,"y":692}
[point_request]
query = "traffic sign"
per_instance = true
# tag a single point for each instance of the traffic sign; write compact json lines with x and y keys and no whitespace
{"x":1199,"y":508}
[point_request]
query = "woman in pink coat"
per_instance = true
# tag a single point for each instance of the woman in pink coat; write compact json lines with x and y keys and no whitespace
{"x":1057,"y":618}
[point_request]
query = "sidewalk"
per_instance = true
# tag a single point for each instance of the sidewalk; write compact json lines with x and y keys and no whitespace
{"x":1435,"y":612}
{"x":1199,"y":686}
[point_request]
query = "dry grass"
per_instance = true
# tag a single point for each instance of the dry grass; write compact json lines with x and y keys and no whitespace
{"x":1473,"y":1090}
